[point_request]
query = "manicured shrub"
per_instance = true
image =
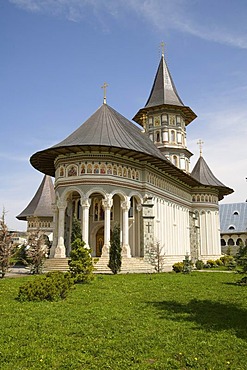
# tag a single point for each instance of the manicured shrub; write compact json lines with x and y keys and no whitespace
{"x":178,"y":267}
{"x":199,"y":264}
{"x":212,"y":263}
{"x":115,"y":258}
{"x":187,"y":265}
{"x":81,"y":263}
{"x":50,"y":287}
{"x":219,"y":262}
{"x":226,"y":259}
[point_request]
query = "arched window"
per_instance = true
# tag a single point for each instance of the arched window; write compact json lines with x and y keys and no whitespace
{"x":125,"y":172}
{"x":175,"y":160}
{"x":236,"y":213}
{"x":230,"y":242}
{"x":222,"y":242}
{"x":173,"y":136}
{"x":231,"y":227}
{"x":157,"y":136}
{"x":239,"y":242}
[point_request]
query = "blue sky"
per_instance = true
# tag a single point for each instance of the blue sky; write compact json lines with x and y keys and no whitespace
{"x":56,"y":55}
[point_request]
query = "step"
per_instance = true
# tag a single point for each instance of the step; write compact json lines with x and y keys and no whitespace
{"x":129,"y":265}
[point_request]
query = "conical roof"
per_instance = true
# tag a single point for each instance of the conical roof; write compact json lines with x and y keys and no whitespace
{"x":40,"y":205}
{"x":164,"y":94}
{"x":105,"y":128}
{"x":163,"y":90}
{"x":202,"y":173}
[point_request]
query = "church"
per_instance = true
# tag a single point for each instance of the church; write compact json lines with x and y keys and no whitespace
{"x":137,"y":175}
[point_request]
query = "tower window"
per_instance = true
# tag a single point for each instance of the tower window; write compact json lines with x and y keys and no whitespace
{"x":157,"y":136}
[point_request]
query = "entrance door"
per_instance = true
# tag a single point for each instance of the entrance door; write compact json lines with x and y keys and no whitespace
{"x":99,"y":241}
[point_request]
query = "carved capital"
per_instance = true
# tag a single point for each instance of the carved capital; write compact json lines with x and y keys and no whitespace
{"x":85,"y":202}
{"x":107,"y":203}
{"x":139,"y":207}
{"x":125,"y":205}
{"x":61,"y":205}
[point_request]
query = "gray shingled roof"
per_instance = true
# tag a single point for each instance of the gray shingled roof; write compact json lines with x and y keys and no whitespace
{"x":40,"y":205}
{"x":105,"y":128}
{"x":202,"y":173}
{"x":233,"y":218}
{"x":163,"y":90}
{"x":164,"y":93}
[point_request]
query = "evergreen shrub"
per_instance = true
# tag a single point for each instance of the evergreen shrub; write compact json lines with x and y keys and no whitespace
{"x":50,"y":287}
{"x":178,"y":267}
{"x":219,"y":262}
{"x":115,"y":258}
{"x":81,"y":263}
{"x":212,"y":263}
{"x":199,"y":264}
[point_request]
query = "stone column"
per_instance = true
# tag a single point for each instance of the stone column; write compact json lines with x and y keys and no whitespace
{"x":85,"y":205}
{"x":125,"y":205}
{"x":60,"y":248}
{"x":54,"y":241}
{"x":107,"y":204}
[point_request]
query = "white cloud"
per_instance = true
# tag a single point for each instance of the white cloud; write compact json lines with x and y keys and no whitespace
{"x":161,"y":14}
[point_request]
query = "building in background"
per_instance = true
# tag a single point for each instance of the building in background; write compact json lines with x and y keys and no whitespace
{"x":233,"y":226}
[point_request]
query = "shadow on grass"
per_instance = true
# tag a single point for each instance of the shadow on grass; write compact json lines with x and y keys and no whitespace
{"x":206,"y":314}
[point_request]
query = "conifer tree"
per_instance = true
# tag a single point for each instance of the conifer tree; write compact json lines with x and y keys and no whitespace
{"x":76,"y":229}
{"x":7,"y":250}
{"x":36,"y":252}
{"x":115,"y":258}
{"x":80,"y":264}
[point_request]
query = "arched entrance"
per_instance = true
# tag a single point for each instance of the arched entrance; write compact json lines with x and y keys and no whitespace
{"x":99,"y":241}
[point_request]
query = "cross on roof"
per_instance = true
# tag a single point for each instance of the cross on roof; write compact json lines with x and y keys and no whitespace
{"x":104,"y":87}
{"x":162,"y":46}
{"x":200,"y":143}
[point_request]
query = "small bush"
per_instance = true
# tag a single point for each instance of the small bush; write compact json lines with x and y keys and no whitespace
{"x":212,"y":263}
{"x":178,"y":267}
{"x":226,"y":259}
{"x":51,"y":287}
{"x":219,"y":262}
{"x":199,"y":264}
{"x":81,"y":263}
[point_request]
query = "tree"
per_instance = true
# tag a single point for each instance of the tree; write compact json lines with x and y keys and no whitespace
{"x":156,"y":256}
{"x":80,"y":264}
{"x":7,"y":249}
{"x":76,"y":230}
{"x":115,"y":258}
{"x":36,"y":252}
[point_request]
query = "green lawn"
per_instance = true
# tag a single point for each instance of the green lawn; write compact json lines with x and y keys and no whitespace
{"x":165,"y":321}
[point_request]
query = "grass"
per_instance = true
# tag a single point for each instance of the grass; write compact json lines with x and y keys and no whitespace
{"x":163,"y":321}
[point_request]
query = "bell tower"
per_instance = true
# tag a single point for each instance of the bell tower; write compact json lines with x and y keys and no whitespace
{"x":164,"y":118}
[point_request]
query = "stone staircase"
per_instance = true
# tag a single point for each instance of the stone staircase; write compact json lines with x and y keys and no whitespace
{"x":129,"y":265}
{"x":56,"y":264}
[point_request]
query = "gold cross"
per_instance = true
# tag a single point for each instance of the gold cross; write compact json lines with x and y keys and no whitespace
{"x":162,"y":46}
{"x":200,"y":142}
{"x":104,"y":87}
